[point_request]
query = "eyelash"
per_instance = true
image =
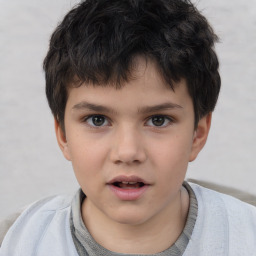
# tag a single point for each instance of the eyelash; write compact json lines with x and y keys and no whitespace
{"x":86,"y":120}
{"x":166,"y":119}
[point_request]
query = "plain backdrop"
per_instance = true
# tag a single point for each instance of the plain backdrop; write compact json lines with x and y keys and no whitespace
{"x":31,"y":164}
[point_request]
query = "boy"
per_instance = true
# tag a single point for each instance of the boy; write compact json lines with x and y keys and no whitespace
{"x":132,"y":85}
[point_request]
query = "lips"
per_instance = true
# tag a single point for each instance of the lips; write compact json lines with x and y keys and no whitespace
{"x":128,"y":188}
{"x":127,"y":182}
{"x":128,"y":185}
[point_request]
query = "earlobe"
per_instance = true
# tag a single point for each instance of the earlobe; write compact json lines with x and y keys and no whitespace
{"x":200,"y":136}
{"x":61,"y":139}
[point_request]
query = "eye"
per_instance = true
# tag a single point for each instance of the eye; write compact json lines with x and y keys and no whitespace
{"x":159,"y":121}
{"x":97,"y":120}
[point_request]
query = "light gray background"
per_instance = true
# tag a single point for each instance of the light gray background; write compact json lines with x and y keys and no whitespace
{"x":32,"y":166}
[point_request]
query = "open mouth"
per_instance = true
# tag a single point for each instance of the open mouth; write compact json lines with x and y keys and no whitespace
{"x":128,"y":184}
{"x":128,"y":188}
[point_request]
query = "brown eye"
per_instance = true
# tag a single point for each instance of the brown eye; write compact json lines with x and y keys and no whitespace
{"x":97,"y":121}
{"x":158,"y":120}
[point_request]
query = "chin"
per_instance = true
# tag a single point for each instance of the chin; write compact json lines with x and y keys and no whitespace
{"x":132,"y":218}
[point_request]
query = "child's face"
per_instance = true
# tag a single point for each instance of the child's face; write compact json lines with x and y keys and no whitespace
{"x":143,"y":133}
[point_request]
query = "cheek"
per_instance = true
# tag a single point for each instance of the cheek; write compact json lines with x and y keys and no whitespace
{"x":171,"y":165}
{"x":85,"y":148}
{"x":174,"y":147}
{"x":172,"y":155}
{"x":87,"y":158}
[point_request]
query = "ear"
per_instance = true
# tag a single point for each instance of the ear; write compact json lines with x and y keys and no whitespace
{"x":200,"y":136}
{"x":62,"y":141}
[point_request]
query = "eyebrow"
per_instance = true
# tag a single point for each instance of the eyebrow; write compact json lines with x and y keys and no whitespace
{"x":93,"y":107}
{"x":160,"y":107}
{"x":146,"y":109}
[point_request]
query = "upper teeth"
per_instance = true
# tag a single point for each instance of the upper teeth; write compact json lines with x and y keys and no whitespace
{"x":129,"y":182}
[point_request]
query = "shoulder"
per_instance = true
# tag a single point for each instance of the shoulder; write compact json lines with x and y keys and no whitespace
{"x":224,"y":225}
{"x":49,"y":204}
{"x":7,"y":222}
{"x":44,"y":217}
{"x":234,"y":192}
{"x":44,"y":208}
{"x":231,"y":204}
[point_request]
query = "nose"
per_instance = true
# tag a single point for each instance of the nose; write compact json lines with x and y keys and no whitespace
{"x":128,"y":147}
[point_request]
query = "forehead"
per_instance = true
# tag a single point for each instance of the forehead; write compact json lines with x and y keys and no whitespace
{"x":146,"y":86}
{"x":140,"y":66}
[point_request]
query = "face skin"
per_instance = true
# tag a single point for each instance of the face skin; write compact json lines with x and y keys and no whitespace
{"x":146,"y":131}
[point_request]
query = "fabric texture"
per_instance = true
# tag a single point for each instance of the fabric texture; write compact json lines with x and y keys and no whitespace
{"x":224,"y":226}
{"x":6,"y":223}
{"x":42,"y":229}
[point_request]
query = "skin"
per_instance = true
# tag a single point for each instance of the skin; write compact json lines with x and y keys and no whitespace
{"x":128,"y":142}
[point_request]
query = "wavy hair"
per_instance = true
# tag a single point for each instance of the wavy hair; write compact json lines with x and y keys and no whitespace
{"x":98,"y":41}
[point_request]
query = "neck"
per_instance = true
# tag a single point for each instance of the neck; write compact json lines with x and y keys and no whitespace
{"x":153,"y":236}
